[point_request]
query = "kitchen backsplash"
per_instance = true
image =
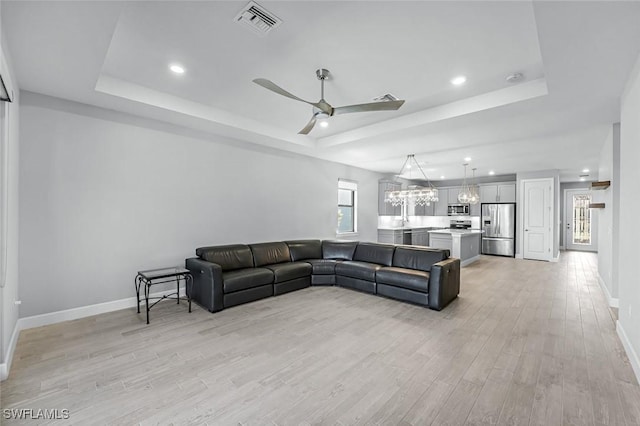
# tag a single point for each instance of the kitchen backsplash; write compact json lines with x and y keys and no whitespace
{"x":432,"y":221}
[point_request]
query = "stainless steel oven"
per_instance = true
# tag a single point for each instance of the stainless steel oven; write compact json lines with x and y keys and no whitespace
{"x":458,"y":209}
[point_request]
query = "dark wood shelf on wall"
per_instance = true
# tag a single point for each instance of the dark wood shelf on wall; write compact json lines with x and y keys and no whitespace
{"x":601,"y":185}
{"x":596,"y":206}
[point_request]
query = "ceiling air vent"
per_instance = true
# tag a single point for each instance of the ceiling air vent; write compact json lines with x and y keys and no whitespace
{"x":258,"y":19}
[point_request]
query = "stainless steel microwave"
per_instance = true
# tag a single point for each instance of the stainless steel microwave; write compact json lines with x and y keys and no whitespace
{"x":458,"y":210}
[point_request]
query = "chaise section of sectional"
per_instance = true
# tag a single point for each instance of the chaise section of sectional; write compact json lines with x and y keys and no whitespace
{"x":360,"y":273}
{"x":288,"y":275}
{"x":225,"y":276}
{"x":420,"y":275}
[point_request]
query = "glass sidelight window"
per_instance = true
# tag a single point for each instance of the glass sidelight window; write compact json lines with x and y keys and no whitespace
{"x":581,"y":219}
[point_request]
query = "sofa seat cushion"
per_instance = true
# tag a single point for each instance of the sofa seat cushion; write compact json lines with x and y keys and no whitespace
{"x":323,"y":266}
{"x":354,"y":269}
{"x":243,"y":279}
{"x":405,"y":278}
{"x":289,"y":271}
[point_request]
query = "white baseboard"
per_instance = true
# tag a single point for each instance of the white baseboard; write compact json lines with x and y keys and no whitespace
{"x":631,"y":353}
{"x":469,"y":261}
{"x":6,"y":366}
{"x":85,"y":311}
{"x":613,"y":302}
{"x":68,"y":315}
{"x":519,"y":256}
{"x":555,"y":259}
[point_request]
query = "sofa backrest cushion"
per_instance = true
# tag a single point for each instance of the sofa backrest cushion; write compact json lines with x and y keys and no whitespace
{"x":270,"y":253}
{"x":381,"y":254}
{"x":418,"y":258}
{"x":340,"y":250}
{"x":305,"y":249}
{"x":231,"y":257}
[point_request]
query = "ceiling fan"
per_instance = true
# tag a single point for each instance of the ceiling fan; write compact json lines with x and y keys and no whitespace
{"x":322,"y":109}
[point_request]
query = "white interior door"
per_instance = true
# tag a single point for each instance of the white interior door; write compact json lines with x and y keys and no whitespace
{"x":537,"y":219}
{"x":580,"y":221}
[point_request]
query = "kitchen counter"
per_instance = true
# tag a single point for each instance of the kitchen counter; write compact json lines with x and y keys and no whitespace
{"x":457,"y":231}
{"x":465,"y":244}
{"x":404,"y":228}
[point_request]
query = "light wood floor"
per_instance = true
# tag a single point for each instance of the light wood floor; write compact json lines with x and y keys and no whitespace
{"x":526,"y":343}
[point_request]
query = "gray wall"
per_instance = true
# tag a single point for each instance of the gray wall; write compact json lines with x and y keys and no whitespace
{"x":608,"y":230}
{"x":106,"y":194}
{"x":615,"y":215}
{"x":9,"y":294}
{"x":629,"y":259}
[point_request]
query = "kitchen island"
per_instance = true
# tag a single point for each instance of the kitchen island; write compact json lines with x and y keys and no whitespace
{"x":463,"y":244}
{"x":413,"y":235}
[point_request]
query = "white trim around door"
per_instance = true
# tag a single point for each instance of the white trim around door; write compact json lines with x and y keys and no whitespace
{"x":537,"y":224}
{"x":568,"y":222}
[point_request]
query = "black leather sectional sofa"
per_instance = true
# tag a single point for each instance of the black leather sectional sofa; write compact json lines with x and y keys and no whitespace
{"x":225,"y":276}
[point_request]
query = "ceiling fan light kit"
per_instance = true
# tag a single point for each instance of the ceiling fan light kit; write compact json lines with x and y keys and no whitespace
{"x":418,"y":195}
{"x":322,"y":109}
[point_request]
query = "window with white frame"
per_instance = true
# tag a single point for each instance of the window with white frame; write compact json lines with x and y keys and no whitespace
{"x":347,"y":206}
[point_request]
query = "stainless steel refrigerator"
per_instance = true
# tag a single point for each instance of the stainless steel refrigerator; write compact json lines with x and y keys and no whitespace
{"x":499,"y":225}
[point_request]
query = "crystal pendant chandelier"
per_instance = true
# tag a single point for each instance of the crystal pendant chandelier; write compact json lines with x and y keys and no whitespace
{"x":419,"y":195}
{"x":475,"y":197}
{"x":468,"y":194}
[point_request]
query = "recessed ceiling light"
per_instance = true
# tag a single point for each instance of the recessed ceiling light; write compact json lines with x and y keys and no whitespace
{"x":176,"y":68}
{"x":467,"y":159}
{"x":442,"y":177}
{"x":582,"y":179}
{"x":491,"y":172}
{"x":457,"y":81}
{"x":585,"y":170}
{"x":324,"y":123}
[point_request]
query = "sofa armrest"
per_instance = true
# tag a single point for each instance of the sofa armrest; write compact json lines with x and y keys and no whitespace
{"x":444,"y":283}
{"x":207,"y":289}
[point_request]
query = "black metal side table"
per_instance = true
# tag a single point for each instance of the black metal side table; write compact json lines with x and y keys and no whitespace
{"x":160,"y":276}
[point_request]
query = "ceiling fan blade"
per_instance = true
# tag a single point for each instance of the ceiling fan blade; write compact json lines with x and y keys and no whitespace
{"x":308,"y":127}
{"x":373,"y":106}
{"x":267,"y":84}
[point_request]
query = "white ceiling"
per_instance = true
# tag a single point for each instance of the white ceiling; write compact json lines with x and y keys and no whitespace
{"x":575,"y":56}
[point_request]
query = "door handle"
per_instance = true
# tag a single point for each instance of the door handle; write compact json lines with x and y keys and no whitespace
{"x":526,"y":230}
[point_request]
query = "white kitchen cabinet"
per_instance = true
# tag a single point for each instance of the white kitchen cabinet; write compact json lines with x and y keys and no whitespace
{"x":384,"y":208}
{"x":420,"y":237}
{"x":443,"y":203}
{"x":390,"y":236}
{"x":424,"y":210}
{"x":498,"y":193}
{"x":453,"y":195}
{"x":507,"y":193}
{"x":489,"y":193}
